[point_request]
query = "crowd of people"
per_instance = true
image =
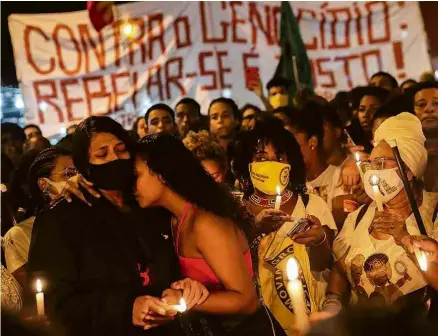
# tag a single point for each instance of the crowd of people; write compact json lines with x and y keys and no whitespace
{"x":120,"y":225}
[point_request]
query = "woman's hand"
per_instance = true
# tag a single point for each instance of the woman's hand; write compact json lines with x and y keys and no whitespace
{"x":72,"y":189}
{"x":148,"y":312}
{"x":390,"y":223}
{"x":315,"y":235}
{"x":270,"y":220}
{"x":426,"y":244}
{"x":349,"y":175}
{"x":193,"y":292}
{"x":360,"y":196}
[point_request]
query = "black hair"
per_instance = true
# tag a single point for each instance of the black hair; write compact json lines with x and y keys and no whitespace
{"x":41,"y":167}
{"x":82,"y":139}
{"x":361,"y":91}
{"x":33,"y":126}
{"x":268,"y":130}
{"x":184,"y":174}
{"x":250,"y":106}
{"x":36,"y":142}
{"x":278,"y":81}
{"x":66,"y":142}
{"x":160,"y":106}
{"x":191,"y":102}
{"x":231,"y":103}
{"x":396,"y":104}
{"x":330,"y":115}
{"x":12,"y":131}
{"x":310,"y":120}
{"x":412,"y":91}
{"x":394,"y":83}
{"x":410,"y":80}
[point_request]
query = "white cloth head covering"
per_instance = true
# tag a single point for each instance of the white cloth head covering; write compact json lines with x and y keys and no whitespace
{"x":407,"y":131}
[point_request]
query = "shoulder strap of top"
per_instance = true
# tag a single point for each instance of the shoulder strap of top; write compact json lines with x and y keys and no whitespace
{"x":305,"y":198}
{"x":360,"y":215}
{"x":181,"y":221}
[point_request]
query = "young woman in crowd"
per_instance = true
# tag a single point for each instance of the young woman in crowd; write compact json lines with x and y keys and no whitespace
{"x":224,"y":120}
{"x":249,"y":114}
{"x":266,"y":158}
{"x":371,"y":250}
{"x":211,"y":155}
{"x":208,"y":230}
{"x":106,"y":266}
{"x":308,"y":128}
{"x":48,"y":176}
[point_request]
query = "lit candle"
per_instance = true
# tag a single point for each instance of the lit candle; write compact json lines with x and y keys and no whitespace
{"x":422,"y":259}
{"x":40,"y":298}
{"x":375,"y":183}
{"x":181,"y":307}
{"x":278,"y":199}
{"x":296,"y":294}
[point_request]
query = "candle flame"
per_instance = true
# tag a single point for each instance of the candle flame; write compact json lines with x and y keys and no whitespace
{"x":357,"y":156}
{"x":422,"y":261}
{"x":292,"y":269}
{"x":374,"y":180}
{"x":278,"y":190}
{"x":182,"y":307}
{"x":39,"y":286}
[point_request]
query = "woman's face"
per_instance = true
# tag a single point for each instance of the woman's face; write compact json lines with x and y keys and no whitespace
{"x":63,"y":169}
{"x":149,"y":187}
{"x":267,"y":152}
{"x":106,"y":147}
{"x":214,"y":169}
{"x":222,"y":123}
{"x":426,"y":108}
{"x":367,"y":108}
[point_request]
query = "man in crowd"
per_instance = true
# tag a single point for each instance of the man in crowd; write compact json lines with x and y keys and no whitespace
{"x":384,"y":80}
{"x":160,"y":118}
{"x":188,"y":112}
{"x":249,"y":114}
{"x":425,"y":96}
{"x":13,"y":138}
{"x":32,"y":130}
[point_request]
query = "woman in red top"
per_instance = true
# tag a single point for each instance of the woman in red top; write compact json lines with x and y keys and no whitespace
{"x":211,"y":246}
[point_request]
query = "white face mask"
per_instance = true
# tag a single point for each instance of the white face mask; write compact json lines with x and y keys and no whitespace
{"x":389,"y":183}
{"x":55,"y":188}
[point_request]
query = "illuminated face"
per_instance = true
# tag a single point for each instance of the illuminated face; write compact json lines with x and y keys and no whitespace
{"x":222,"y":122}
{"x":32,"y":132}
{"x":382,"y":81}
{"x":106,"y":147}
{"x":275,"y":90}
{"x":149,"y":187}
{"x":248,"y":119}
{"x":160,"y":121}
{"x":426,"y":108}
{"x":215,"y":170}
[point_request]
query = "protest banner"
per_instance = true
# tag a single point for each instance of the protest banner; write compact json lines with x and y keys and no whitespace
{"x":162,"y":51}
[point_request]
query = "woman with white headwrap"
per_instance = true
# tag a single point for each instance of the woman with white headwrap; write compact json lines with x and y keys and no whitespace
{"x":373,"y":258}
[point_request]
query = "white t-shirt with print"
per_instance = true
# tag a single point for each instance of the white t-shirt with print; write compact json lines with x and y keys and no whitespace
{"x":327,"y":185}
{"x":381,"y":268}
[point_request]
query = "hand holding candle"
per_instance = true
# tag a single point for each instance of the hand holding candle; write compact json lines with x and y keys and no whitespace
{"x":296,"y":294}
{"x":40,"y":298}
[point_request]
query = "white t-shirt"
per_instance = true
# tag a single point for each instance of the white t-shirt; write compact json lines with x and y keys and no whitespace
{"x":318,"y":208}
{"x":327,"y":185}
{"x":381,"y":268}
{"x":16,"y":244}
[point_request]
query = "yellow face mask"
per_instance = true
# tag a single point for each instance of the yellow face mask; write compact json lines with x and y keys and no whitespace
{"x":268,"y":175}
{"x":279,"y":100}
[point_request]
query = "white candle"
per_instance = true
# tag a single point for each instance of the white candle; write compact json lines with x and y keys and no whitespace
{"x":296,"y":294}
{"x":40,"y":298}
{"x":422,"y":259}
{"x":278,"y":199}
{"x":377,"y":196}
{"x":358,"y":163}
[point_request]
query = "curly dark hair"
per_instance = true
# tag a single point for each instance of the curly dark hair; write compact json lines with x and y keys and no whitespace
{"x":184,"y":174}
{"x":375,"y":260}
{"x":269,"y":130}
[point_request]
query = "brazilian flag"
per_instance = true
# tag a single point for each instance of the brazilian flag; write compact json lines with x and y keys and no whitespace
{"x":292,"y":47}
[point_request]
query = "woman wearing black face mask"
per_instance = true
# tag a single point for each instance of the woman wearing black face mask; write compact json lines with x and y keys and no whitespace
{"x":106,"y":267}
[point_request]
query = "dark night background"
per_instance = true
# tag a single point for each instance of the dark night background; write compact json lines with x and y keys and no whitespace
{"x":8,"y":76}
